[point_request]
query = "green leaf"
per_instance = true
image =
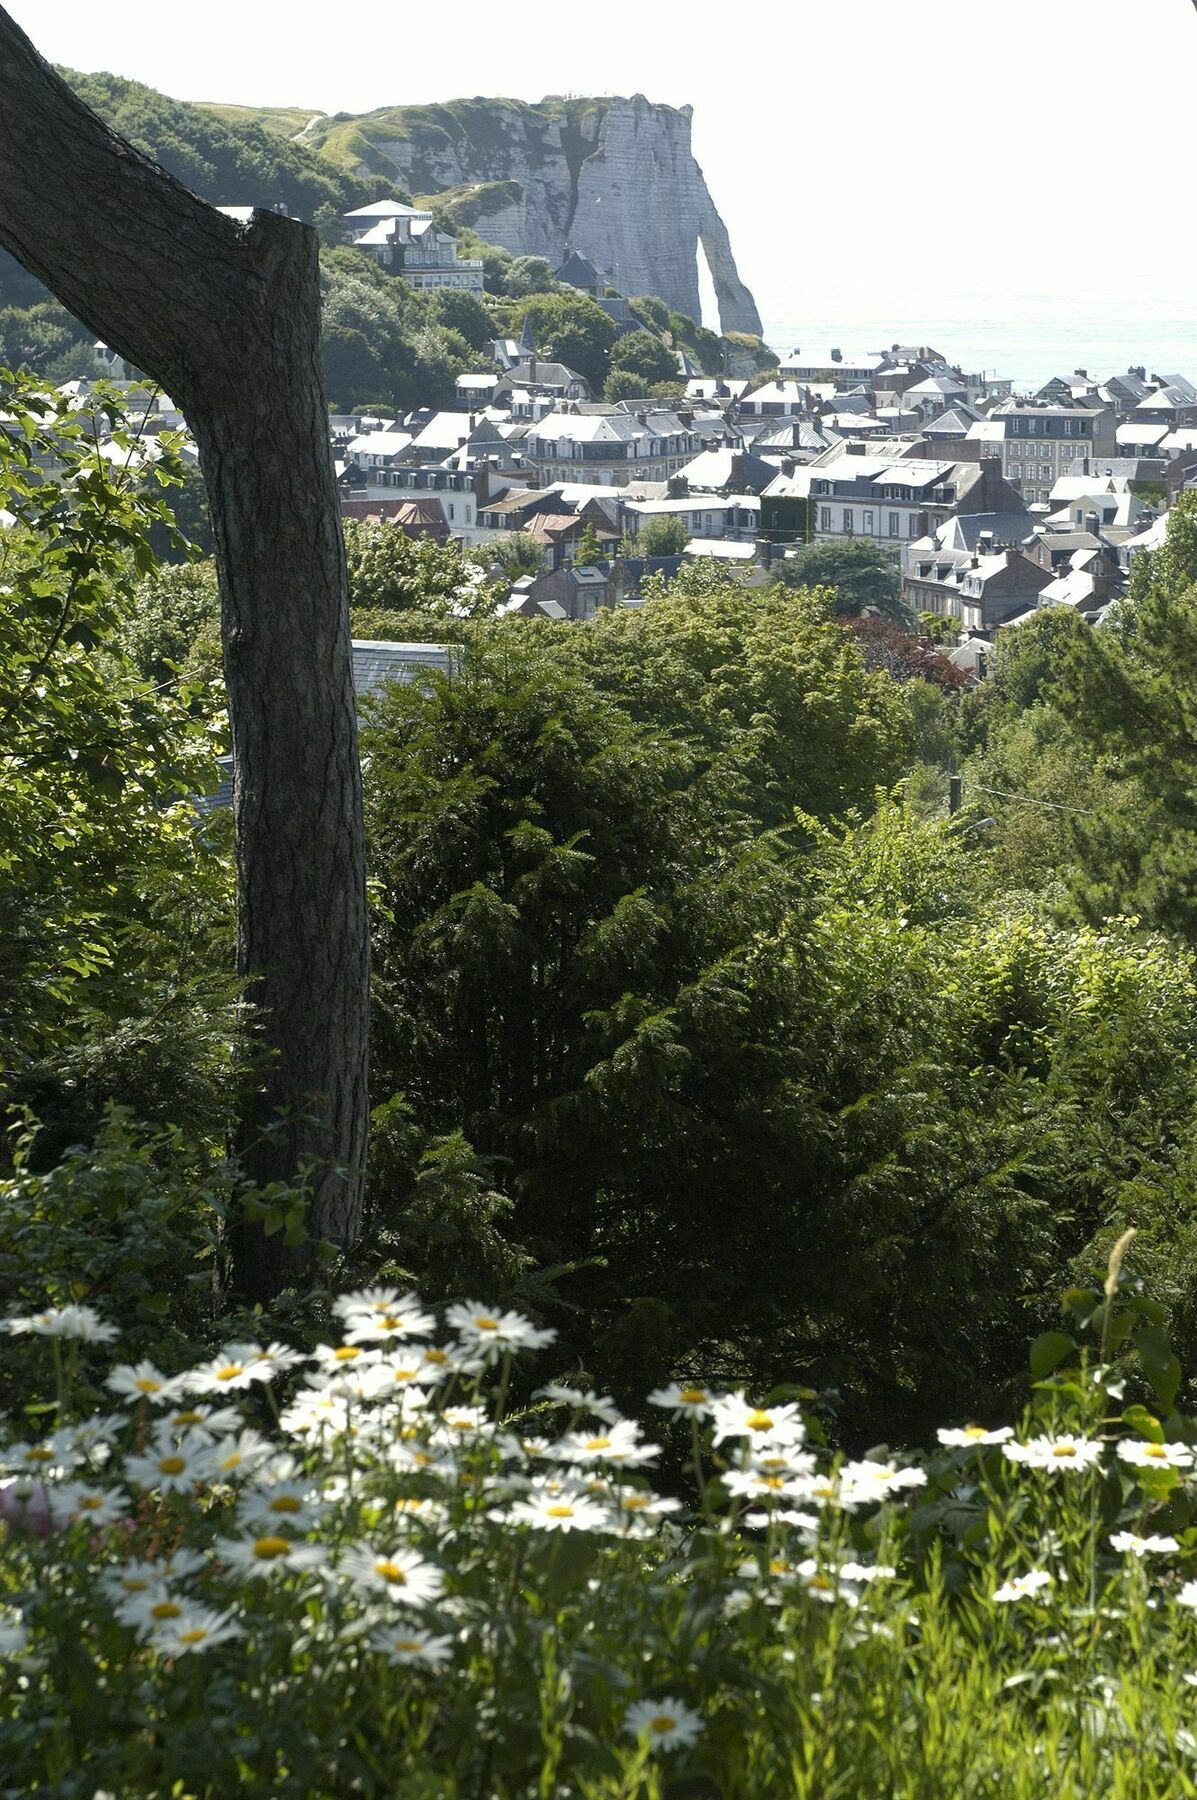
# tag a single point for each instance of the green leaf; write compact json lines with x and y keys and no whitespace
{"x":1159,"y":1361}
{"x":1144,"y":1422}
{"x":1048,"y":1352}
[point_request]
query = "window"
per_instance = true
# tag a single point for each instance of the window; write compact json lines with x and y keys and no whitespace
{"x":895,"y":524}
{"x":824,"y":518}
{"x":913,"y":525}
{"x":1045,"y":473}
{"x":849,"y":525}
{"x":1015,"y":471}
{"x":867,"y":526}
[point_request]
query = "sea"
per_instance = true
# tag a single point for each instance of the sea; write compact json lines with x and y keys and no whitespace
{"x":1025,"y":338}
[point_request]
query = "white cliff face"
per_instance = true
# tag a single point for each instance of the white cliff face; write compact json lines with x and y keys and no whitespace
{"x":613,"y":179}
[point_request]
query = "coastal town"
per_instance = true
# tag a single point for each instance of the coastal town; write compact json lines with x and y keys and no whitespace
{"x":986,"y":503}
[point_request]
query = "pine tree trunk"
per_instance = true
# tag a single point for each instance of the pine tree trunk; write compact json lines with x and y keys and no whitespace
{"x":227,"y":319}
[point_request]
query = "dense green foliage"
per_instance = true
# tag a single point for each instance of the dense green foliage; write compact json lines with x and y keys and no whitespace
{"x":110,"y":978}
{"x":863,"y":577}
{"x":665,"y":536}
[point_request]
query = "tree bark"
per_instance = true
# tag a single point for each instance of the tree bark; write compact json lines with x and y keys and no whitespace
{"x":227,"y":319}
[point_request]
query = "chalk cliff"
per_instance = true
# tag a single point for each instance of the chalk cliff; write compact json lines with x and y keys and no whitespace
{"x":614,"y":179}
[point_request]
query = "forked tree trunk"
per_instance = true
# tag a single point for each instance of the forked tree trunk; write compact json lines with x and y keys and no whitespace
{"x":227,"y":318}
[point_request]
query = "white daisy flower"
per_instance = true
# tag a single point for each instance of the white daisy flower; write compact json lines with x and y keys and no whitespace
{"x":77,"y":1502}
{"x":289,"y":1503}
{"x":237,"y":1366}
{"x":373,"y":1299}
{"x":128,"y":1579}
{"x":401,"y":1372}
{"x":525,"y":1449}
{"x":757,"y":1484}
{"x":1188,"y":1594}
{"x":823,"y":1583}
{"x":492,"y":1331}
{"x":335,"y":1358}
{"x":48,"y":1458}
{"x":736,"y":1417}
{"x":666,"y":1724}
{"x":80,"y":1322}
{"x":143,"y":1381}
{"x":1062,"y":1454}
{"x":642,"y":1503}
{"x":240,"y":1455}
{"x":440,"y":1362}
{"x":280,"y":1357}
{"x":1129,"y":1543}
{"x":404,"y":1319}
{"x":686,"y":1400}
{"x":398,"y":1574}
{"x":865,"y":1481}
{"x":271,"y":1554}
{"x":464,"y":1421}
{"x":193,"y":1628}
{"x":581,"y":1400}
{"x":609,"y":1443}
{"x":1145,"y":1455}
{"x":408,"y":1644}
{"x":866,"y":1572}
{"x":207,"y":1423}
{"x":172,"y":1468}
{"x":972,"y":1436}
{"x":1022,"y":1587}
{"x":92,"y":1439}
{"x":562,"y":1511}
{"x":150,"y":1607}
{"x":781,"y":1515}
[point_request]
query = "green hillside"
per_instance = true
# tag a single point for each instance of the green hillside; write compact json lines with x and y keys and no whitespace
{"x":232,"y":156}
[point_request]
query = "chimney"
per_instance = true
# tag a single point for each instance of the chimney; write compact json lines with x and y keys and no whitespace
{"x":837,"y":356}
{"x":788,"y":465}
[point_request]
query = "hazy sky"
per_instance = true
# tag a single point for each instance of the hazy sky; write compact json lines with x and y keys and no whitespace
{"x":951,"y":154}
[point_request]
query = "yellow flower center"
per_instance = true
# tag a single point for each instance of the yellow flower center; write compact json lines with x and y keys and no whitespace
{"x":777,"y":1567}
{"x":285,"y":1503}
{"x":486,"y":1324}
{"x":598,"y":1443}
{"x":389,"y":1322}
{"x":1156,"y":1450}
{"x":404,"y":1374}
{"x":759,"y":1421}
{"x":974,"y":1431}
{"x":166,"y":1609}
{"x":188,"y":1418}
{"x":195,"y":1636}
{"x":268,"y":1549}
{"x":560,"y":1512}
{"x":1063,"y":1449}
{"x":230,"y":1371}
{"x":90,"y":1503}
{"x":39,"y":1453}
{"x":773,"y":1481}
{"x":134,"y":1584}
{"x":664,"y":1722}
{"x":821,"y":1582}
{"x":635,"y":1502}
{"x":391,"y":1572}
{"x":172,"y":1465}
{"x":692,"y":1396}
{"x":436,"y":1356}
{"x":346,"y":1353}
{"x":411,"y":1645}
{"x":145,"y":1384}
{"x":823,"y":1490}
